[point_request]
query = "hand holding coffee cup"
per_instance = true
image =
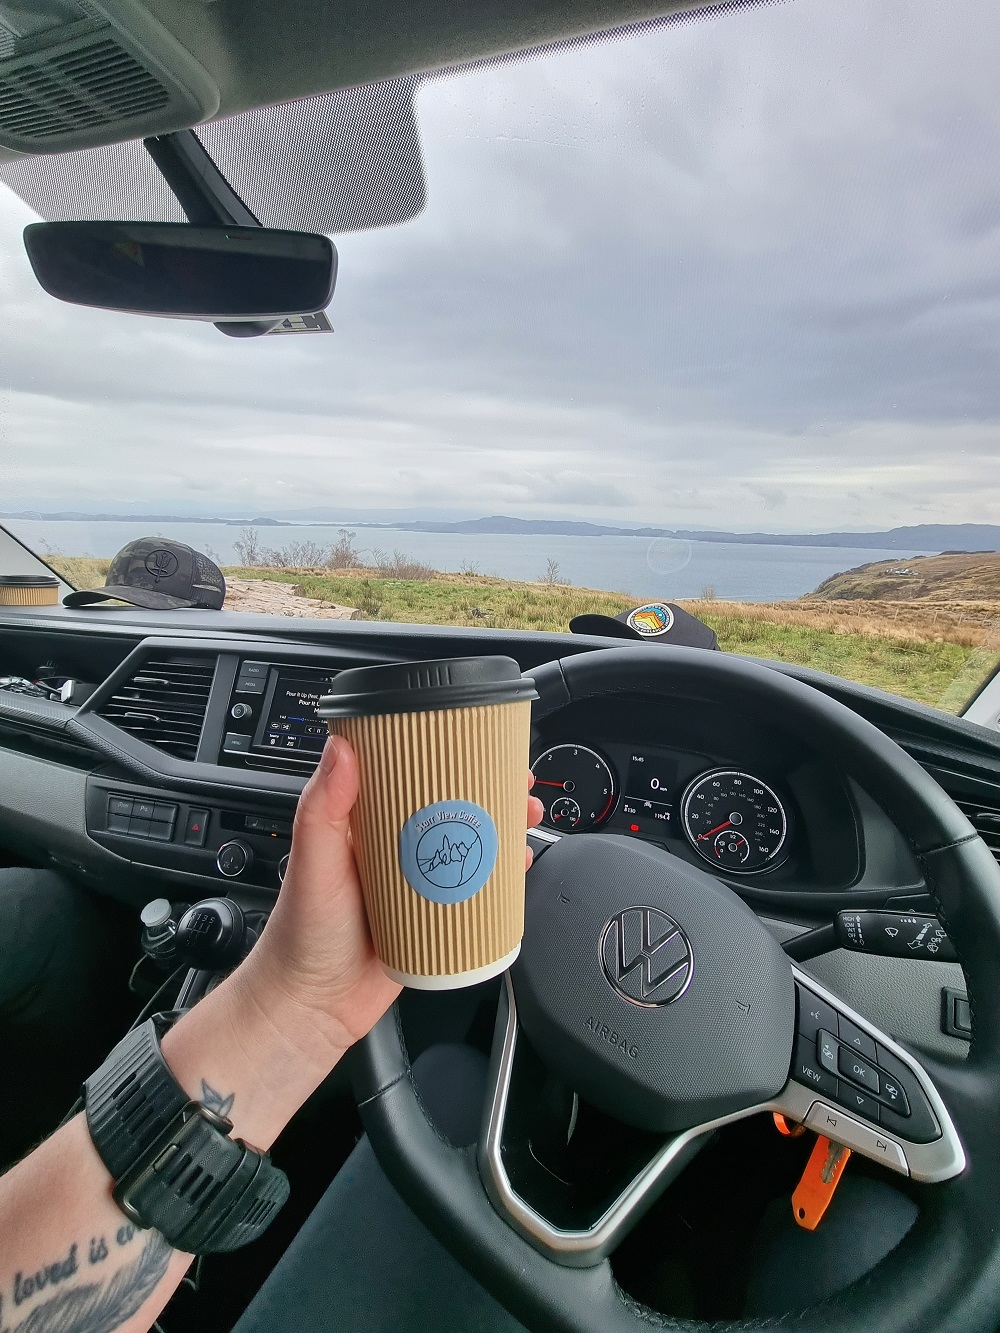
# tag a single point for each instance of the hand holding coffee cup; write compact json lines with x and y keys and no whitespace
{"x":438,"y":827}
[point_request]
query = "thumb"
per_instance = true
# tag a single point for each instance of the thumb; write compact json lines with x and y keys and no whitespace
{"x":320,"y":851}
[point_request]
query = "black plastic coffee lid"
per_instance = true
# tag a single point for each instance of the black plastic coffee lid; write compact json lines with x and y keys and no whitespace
{"x":27,"y":581}
{"x":418,"y":687}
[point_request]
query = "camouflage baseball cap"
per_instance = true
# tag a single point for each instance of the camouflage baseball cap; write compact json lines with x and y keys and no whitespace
{"x":158,"y":574}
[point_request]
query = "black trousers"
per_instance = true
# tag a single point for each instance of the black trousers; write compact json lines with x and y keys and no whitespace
{"x":65,"y":956}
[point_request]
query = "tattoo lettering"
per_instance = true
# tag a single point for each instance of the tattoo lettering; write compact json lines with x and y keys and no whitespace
{"x":26,"y":1284}
{"x":125,"y":1233}
{"x":99,"y":1307}
{"x":215,"y":1100}
{"x":98,"y":1250}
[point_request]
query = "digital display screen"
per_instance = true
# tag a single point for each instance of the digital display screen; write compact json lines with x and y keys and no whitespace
{"x":649,"y":795}
{"x":289,"y":722}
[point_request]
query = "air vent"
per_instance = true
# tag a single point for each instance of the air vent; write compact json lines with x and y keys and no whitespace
{"x":985,"y":819}
{"x":164,"y":704}
{"x":98,"y":84}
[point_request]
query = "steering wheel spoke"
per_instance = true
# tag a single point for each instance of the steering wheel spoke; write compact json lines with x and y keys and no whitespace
{"x":574,"y":1202}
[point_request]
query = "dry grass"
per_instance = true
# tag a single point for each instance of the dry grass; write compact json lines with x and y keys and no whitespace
{"x":973,"y":624}
{"x":936,"y":652}
{"x":82,"y":571}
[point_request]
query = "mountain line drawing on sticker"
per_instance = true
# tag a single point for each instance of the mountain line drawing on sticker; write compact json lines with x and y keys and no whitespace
{"x":449,"y":856}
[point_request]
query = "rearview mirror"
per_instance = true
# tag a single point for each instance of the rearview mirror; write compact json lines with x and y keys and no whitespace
{"x":184,"y":272}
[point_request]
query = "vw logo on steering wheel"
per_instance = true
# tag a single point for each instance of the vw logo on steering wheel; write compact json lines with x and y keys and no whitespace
{"x":646,"y":956}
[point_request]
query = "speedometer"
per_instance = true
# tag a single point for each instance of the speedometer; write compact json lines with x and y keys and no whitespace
{"x":576,"y":787}
{"x":734,"y":820}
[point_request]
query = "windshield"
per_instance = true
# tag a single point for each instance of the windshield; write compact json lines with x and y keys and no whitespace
{"x":706,"y":313}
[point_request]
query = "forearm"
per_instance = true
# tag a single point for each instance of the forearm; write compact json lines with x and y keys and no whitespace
{"x":70,"y":1262}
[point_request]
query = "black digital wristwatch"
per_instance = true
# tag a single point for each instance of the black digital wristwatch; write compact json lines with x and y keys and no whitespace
{"x":172,"y":1159}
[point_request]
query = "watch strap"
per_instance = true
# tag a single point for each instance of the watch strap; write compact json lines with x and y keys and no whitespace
{"x":174,"y":1165}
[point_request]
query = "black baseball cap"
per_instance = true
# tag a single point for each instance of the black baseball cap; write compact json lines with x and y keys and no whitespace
{"x":160,"y":575}
{"x":656,"y":622}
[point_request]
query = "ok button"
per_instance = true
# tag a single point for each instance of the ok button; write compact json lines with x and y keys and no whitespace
{"x":857,"y":1070}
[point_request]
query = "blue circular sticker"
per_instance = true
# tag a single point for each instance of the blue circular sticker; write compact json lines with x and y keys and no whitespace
{"x":447,"y":850}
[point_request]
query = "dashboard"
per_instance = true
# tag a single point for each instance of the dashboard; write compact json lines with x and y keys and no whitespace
{"x":174,"y":762}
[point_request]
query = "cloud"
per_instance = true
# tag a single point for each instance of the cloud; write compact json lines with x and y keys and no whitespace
{"x":742,"y":272}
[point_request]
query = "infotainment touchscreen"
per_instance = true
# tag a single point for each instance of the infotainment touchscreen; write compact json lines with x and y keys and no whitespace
{"x":288,"y":719}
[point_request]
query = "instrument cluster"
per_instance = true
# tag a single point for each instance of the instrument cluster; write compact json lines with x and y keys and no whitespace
{"x":734,"y":819}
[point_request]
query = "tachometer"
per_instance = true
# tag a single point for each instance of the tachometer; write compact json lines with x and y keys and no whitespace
{"x":576,"y":787}
{"x":734,"y":820}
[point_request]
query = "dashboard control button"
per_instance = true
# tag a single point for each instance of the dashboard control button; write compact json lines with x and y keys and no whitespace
{"x":240,"y":710}
{"x":165,"y":814}
{"x":258,"y":669}
{"x":250,"y":685}
{"x":826,"y":1049}
{"x":921,"y":1125}
{"x":857,"y":1101}
{"x":858,"y":1070}
{"x":143,"y":810}
{"x":120,"y":805}
{"x":138,"y":828}
{"x":195,"y":828}
{"x":235,"y":743}
{"x":233,"y":859}
{"x":837,"y":1125}
{"x":860,"y":1042}
{"x":118,"y":823}
{"x":160,"y":832}
{"x":808,"y":1070}
{"x":814,"y":1014}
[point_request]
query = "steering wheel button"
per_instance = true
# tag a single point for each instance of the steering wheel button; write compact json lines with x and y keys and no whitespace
{"x":859,"y":1102}
{"x":826,"y":1049}
{"x":893,"y":1096}
{"x":814,"y":1013}
{"x":808,"y":1070}
{"x":920,"y":1124}
{"x":860,"y":1042}
{"x":858,"y":1070}
{"x":839,"y":1126}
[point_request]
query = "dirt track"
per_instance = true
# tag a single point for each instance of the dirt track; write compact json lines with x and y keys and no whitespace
{"x":271,"y":598}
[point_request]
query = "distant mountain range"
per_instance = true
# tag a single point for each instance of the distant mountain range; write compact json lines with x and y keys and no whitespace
{"x":934,"y":537}
{"x":923,"y":537}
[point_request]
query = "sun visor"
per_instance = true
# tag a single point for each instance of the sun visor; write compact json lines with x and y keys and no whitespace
{"x":338,"y":162}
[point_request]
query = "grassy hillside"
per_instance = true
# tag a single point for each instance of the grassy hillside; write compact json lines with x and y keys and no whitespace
{"x":936,"y":653}
{"x":947,"y":578}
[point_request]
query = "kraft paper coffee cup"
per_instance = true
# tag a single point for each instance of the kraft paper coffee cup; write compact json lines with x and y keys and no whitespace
{"x":28,"y":590}
{"x":438,"y":828}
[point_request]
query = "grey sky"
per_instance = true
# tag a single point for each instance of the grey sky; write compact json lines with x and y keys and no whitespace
{"x":740,"y":273}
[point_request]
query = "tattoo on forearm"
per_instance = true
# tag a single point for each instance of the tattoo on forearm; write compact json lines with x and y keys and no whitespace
{"x":215,"y":1100}
{"x":92,"y":1307}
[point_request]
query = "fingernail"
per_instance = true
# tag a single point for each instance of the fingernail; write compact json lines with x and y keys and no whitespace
{"x":331,"y":754}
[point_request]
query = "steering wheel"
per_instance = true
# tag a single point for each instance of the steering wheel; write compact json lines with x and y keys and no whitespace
{"x":651,"y":989}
